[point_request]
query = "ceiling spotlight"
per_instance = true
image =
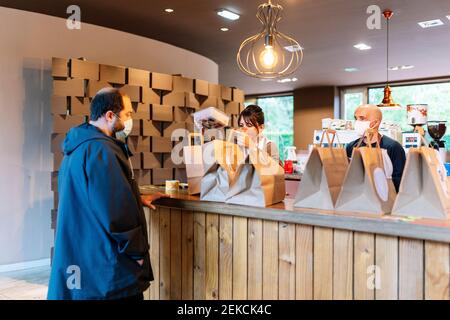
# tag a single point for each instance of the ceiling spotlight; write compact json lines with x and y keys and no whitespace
{"x":351,"y":69}
{"x":362,"y":46}
{"x":431,"y":23}
{"x":396,"y":68}
{"x":224,"y":29}
{"x":227,"y":14}
{"x":168,"y":10}
{"x":407,"y":67}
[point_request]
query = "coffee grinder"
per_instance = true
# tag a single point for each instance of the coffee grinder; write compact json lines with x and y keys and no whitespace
{"x":436,"y":130}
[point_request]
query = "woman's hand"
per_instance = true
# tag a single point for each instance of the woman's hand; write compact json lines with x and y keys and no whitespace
{"x":243,"y":139}
{"x":148,"y":199}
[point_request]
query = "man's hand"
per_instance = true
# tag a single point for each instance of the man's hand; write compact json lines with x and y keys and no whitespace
{"x":148,"y":199}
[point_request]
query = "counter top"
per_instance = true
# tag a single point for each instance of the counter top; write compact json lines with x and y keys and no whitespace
{"x":424,"y":229}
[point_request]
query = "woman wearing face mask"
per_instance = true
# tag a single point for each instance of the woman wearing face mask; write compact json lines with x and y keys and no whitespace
{"x":251,"y":122}
{"x":394,"y":158}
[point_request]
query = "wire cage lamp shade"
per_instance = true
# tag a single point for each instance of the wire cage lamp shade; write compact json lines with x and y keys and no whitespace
{"x":269,"y":54}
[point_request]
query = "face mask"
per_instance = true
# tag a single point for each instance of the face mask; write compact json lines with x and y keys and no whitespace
{"x":361,"y":127}
{"x":128,"y":126}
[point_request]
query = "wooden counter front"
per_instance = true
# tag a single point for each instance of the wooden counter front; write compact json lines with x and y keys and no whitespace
{"x":208,"y":250}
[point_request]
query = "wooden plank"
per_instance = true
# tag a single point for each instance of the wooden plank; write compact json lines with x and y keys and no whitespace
{"x":286,"y":267}
{"x":304,"y":262}
{"x":154,"y":252}
{"x":437,"y":277}
{"x":343,"y":265}
{"x":411,"y":269}
{"x":199,"y":255}
{"x":255,"y":258}
{"x":226,"y":258}
{"x":323,"y":263}
{"x":175,"y":254}
{"x":164,"y":251}
{"x":212,"y":257}
{"x":386,"y":260}
{"x":239,"y":258}
{"x":364,"y":260}
{"x":270,"y":260}
{"x":187,"y":255}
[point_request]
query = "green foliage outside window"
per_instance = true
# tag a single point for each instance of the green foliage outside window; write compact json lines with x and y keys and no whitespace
{"x":279,"y":120}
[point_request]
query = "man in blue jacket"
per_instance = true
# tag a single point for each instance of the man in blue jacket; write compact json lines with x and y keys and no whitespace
{"x":101,"y":246}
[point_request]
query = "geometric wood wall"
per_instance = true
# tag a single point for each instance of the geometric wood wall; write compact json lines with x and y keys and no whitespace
{"x":162,"y":103}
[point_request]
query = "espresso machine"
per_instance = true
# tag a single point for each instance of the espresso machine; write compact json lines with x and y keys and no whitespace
{"x":436,"y":130}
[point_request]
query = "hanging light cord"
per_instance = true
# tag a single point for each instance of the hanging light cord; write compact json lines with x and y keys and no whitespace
{"x":387,"y":53}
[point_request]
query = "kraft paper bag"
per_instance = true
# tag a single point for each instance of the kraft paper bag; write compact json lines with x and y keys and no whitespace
{"x":366,"y":188}
{"x":423,"y":191}
{"x":220,"y":161}
{"x":259,"y":181}
{"x":323,"y":176}
{"x":193,"y":159}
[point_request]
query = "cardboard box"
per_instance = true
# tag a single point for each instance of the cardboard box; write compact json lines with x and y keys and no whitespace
{"x":141,"y":111}
{"x":181,"y":99}
{"x":143,"y":177}
{"x":54,"y":181}
{"x":68,"y":87}
{"x":149,"y":96}
{"x":234,"y":121}
{"x":179,"y":126}
{"x":56,"y":142}
{"x":238,"y":95}
{"x":226,"y":93}
{"x":212,"y":102}
{"x":173,"y":160}
{"x":161,"y":81}
{"x":59,"y":105}
{"x":201,"y":87}
{"x":57,"y":160}
{"x":160,"y":175}
{"x":162,"y":113}
{"x":112,"y":74}
{"x":161,"y":145}
{"x":53,"y":218}
{"x":55,"y":200}
{"x":80,"y":106}
{"x":60,"y":67}
{"x":136,"y":161}
{"x":180,"y":175}
{"x":182,"y":84}
{"x":94,"y":86}
{"x":137,"y":127}
{"x":84,"y":69}
{"x":150,"y":129}
{"x":134,"y":92}
{"x":215,"y":90}
{"x":232,"y":107}
{"x":150,"y":160}
{"x":137,"y":77}
{"x":62,"y":124}
{"x":182,"y":114}
{"x":139,"y":144}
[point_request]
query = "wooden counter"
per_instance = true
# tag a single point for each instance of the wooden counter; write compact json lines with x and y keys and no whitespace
{"x":208,"y":250}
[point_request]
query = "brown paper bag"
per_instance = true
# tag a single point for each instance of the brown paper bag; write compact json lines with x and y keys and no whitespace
{"x":366,"y":189}
{"x":192,"y":155}
{"x":258,"y":181}
{"x":220,"y":160}
{"x":323,"y":176}
{"x":423,"y":190}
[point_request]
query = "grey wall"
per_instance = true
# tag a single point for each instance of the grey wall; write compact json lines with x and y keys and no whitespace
{"x":28,"y":41}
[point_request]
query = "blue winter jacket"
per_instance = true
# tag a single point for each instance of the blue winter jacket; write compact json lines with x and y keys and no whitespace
{"x":101,"y":229}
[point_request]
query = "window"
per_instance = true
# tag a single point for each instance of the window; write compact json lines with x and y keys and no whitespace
{"x":436,"y":95}
{"x":279,"y":120}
